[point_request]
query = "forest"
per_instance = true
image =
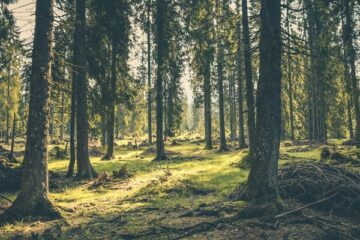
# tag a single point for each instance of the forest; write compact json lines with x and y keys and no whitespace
{"x":179,"y":119}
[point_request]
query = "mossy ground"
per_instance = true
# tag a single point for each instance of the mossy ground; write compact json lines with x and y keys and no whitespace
{"x":192,"y":188}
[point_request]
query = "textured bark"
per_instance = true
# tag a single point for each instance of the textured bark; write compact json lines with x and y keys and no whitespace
{"x":316,"y":81}
{"x":52,"y":120}
{"x":350,"y":54}
{"x":13,"y":134}
{"x":349,"y":115}
{"x":84,"y":168}
{"x":239,"y":66}
{"x":207,"y":105}
{"x":7,"y":136}
{"x":33,"y":196}
{"x":170,"y":108}
{"x":111,"y":108}
{"x":161,"y":51}
{"x":165,"y":107}
{"x":103,"y":127}
{"x":62,"y":116}
{"x":262,"y":181}
{"x":232,"y":103}
{"x":71,"y":167}
{"x":250,"y":100}
{"x":149,"y":101}
{"x":290,"y":87}
{"x":220,"y":78}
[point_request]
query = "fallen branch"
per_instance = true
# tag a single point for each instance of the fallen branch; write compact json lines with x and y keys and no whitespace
{"x":6,"y":198}
{"x":303,"y":207}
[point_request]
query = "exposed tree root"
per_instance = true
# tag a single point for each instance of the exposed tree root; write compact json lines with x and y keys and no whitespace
{"x":108,"y":157}
{"x":24,"y":208}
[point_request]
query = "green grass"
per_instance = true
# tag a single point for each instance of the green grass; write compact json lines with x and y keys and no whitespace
{"x":170,"y":187}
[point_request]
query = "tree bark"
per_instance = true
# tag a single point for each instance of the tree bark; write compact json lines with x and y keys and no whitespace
{"x":71,"y":167}
{"x":262,"y":180}
{"x":220,"y":76}
{"x":170,"y":107}
{"x":349,"y":115}
{"x":149,"y":101}
{"x":318,"y":113}
{"x":7,"y":139}
{"x":290,"y":87}
{"x":207,"y":105}
{"x":62,"y":116}
{"x":239,"y":62}
{"x":33,"y":196}
{"x":111,"y":108}
{"x":250,"y":100}
{"x":52,"y":120}
{"x":232,"y":107}
{"x":350,"y":54}
{"x":11,"y":154}
{"x":84,"y":168}
{"x":161,"y":51}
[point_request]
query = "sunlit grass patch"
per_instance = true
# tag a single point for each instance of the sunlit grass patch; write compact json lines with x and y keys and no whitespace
{"x":155,"y":192}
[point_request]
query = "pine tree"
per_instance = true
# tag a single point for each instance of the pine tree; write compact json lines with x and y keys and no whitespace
{"x":33,"y":197}
{"x":84,"y":168}
{"x":161,"y":42}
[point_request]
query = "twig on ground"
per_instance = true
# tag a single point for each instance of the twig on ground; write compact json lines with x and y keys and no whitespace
{"x":303,"y":207}
{"x":6,"y":198}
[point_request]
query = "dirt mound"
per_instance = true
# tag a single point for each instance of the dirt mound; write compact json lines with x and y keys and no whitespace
{"x":338,"y":187}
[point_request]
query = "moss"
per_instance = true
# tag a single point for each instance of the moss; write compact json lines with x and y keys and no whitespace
{"x":157,"y":192}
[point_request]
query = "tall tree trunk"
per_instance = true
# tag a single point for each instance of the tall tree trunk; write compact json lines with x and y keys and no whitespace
{"x":350,"y":54}
{"x":11,"y":154}
{"x":7,"y":139}
{"x":308,"y":85}
{"x":262,"y":180}
{"x":149,"y":101}
{"x":165,"y":107}
{"x":71,"y":167}
{"x":289,"y":70}
{"x":32,"y":199}
{"x":250,"y":100}
{"x":111,"y":108}
{"x":103,"y":127}
{"x":161,"y":14}
{"x":170,"y":108}
{"x":52,"y":120}
{"x":316,"y":73}
{"x":349,"y":115}
{"x":84,"y":168}
{"x":207,"y":105}
{"x":220,"y":76}
{"x":232,"y":107}
{"x":239,"y":66}
{"x":62,"y":114}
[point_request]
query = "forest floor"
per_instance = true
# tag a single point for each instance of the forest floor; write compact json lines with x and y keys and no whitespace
{"x":186,"y":197}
